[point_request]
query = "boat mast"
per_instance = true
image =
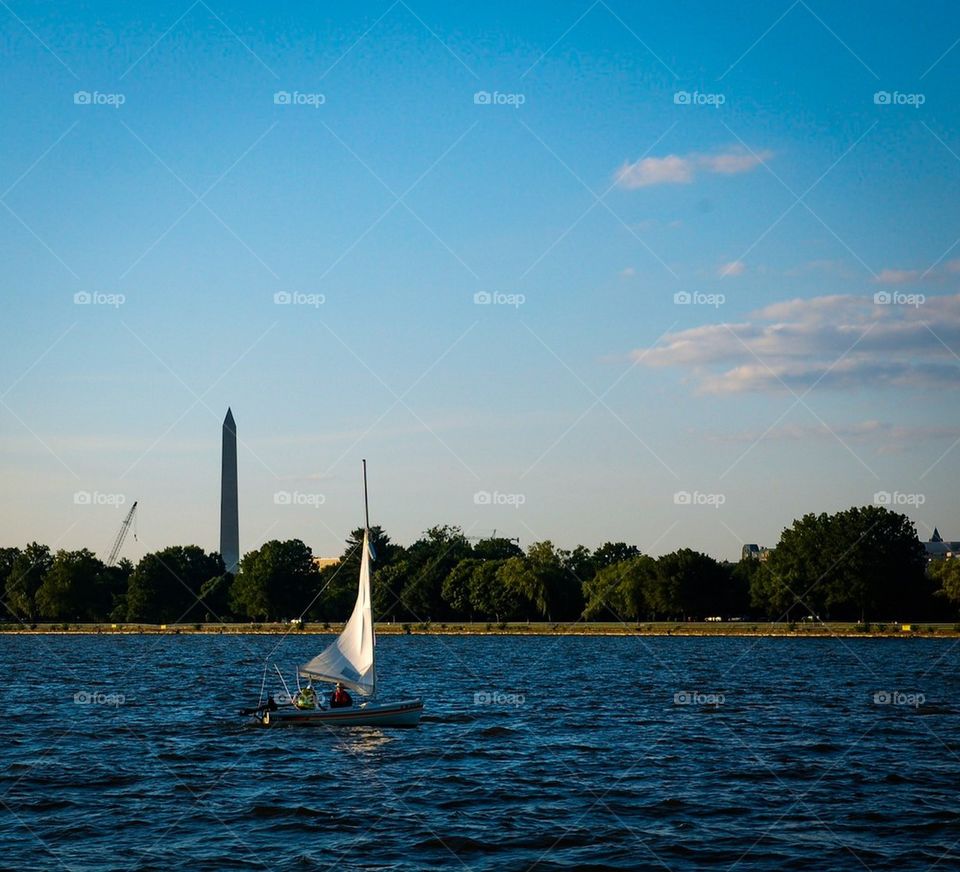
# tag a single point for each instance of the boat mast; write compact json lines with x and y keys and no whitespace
{"x":366,"y":542}
{"x":366,"y":505}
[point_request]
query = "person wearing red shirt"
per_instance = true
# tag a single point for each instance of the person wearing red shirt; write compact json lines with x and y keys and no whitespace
{"x":340,"y":698}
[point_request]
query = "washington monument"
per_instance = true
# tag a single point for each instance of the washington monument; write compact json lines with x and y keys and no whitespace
{"x":229,"y":519}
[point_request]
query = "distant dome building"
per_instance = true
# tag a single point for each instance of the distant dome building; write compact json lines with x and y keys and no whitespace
{"x":938,"y":549}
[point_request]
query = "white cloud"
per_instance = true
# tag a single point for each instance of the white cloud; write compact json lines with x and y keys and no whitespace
{"x":734,"y":161}
{"x":671,"y":169}
{"x":675,"y":169}
{"x":838,"y":342}
{"x":627,"y":273}
{"x":731,"y":269}
{"x":897,"y":276}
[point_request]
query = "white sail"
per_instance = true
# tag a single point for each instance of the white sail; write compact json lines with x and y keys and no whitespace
{"x":350,"y":658}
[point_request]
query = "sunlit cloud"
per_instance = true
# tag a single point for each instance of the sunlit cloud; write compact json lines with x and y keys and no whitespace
{"x":731,"y":269}
{"x":840,"y":342}
{"x":898,"y":276}
{"x":675,"y":169}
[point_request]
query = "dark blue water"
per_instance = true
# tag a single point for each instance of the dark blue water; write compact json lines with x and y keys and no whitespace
{"x":545,"y":753}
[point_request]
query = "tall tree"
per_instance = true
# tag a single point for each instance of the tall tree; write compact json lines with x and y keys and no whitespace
{"x":542,"y":580}
{"x":338,"y":582}
{"x":946,"y":574}
{"x":75,"y":588}
{"x":689,"y":584}
{"x":799,"y":570}
{"x":496,"y":548}
{"x":276,"y":581}
{"x":7,"y":557}
{"x":429,"y":561}
{"x":165,"y":586}
{"x":613,"y":552}
{"x":855,"y":563}
{"x":878,"y":559}
{"x":26,"y":575}
{"x":620,"y":590}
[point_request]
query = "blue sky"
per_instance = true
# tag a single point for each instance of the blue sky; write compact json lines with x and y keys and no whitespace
{"x":680,"y":217}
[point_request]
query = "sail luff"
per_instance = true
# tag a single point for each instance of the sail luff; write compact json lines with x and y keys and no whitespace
{"x":350,"y":657}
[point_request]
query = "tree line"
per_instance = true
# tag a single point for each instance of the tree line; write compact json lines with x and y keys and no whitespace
{"x":859,"y":564}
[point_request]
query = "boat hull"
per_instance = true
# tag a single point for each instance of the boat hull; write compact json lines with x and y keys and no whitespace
{"x":405,"y":713}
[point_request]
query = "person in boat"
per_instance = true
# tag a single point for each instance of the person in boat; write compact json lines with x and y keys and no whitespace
{"x":306,"y":698}
{"x":270,"y":705}
{"x":340,"y":698}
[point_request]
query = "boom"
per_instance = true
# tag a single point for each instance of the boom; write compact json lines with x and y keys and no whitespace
{"x":118,"y":542}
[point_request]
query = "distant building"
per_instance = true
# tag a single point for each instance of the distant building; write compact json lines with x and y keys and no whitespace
{"x":322,"y":562}
{"x":937,"y":549}
{"x":754,"y":552}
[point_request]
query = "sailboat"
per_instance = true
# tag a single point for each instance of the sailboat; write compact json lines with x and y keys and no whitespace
{"x":348,"y":662}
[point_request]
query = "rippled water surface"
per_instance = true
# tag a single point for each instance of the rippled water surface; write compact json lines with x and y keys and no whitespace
{"x":546,"y":753}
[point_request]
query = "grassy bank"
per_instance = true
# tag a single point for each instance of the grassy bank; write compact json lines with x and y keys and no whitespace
{"x":582,"y":628}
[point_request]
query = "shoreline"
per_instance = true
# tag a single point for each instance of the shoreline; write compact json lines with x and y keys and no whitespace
{"x":697,"y":629}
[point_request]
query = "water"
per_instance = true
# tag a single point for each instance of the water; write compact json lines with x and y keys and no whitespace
{"x":575,"y":755}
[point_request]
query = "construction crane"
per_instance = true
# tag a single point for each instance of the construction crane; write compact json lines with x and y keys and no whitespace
{"x":124,"y":528}
{"x":493,"y":535}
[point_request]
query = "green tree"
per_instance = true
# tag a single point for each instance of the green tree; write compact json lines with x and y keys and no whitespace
{"x":544,"y":583}
{"x":946,"y":574}
{"x":456,"y":587}
{"x":7,"y":558}
{"x":490,"y":595}
{"x":165,"y":586}
{"x":613,"y":552}
{"x":385,"y":551}
{"x":115,"y":581}
{"x":496,"y":548}
{"x":75,"y":588}
{"x":24,"y":580}
{"x":429,"y":561}
{"x":276,"y":581}
{"x":337,"y":582}
{"x":388,"y":584}
{"x":798,"y":571}
{"x":580,"y":563}
{"x":620,"y":590}
{"x":878,"y":559}
{"x":215,"y":597}
{"x":855,"y":563}
{"x":689,"y":584}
